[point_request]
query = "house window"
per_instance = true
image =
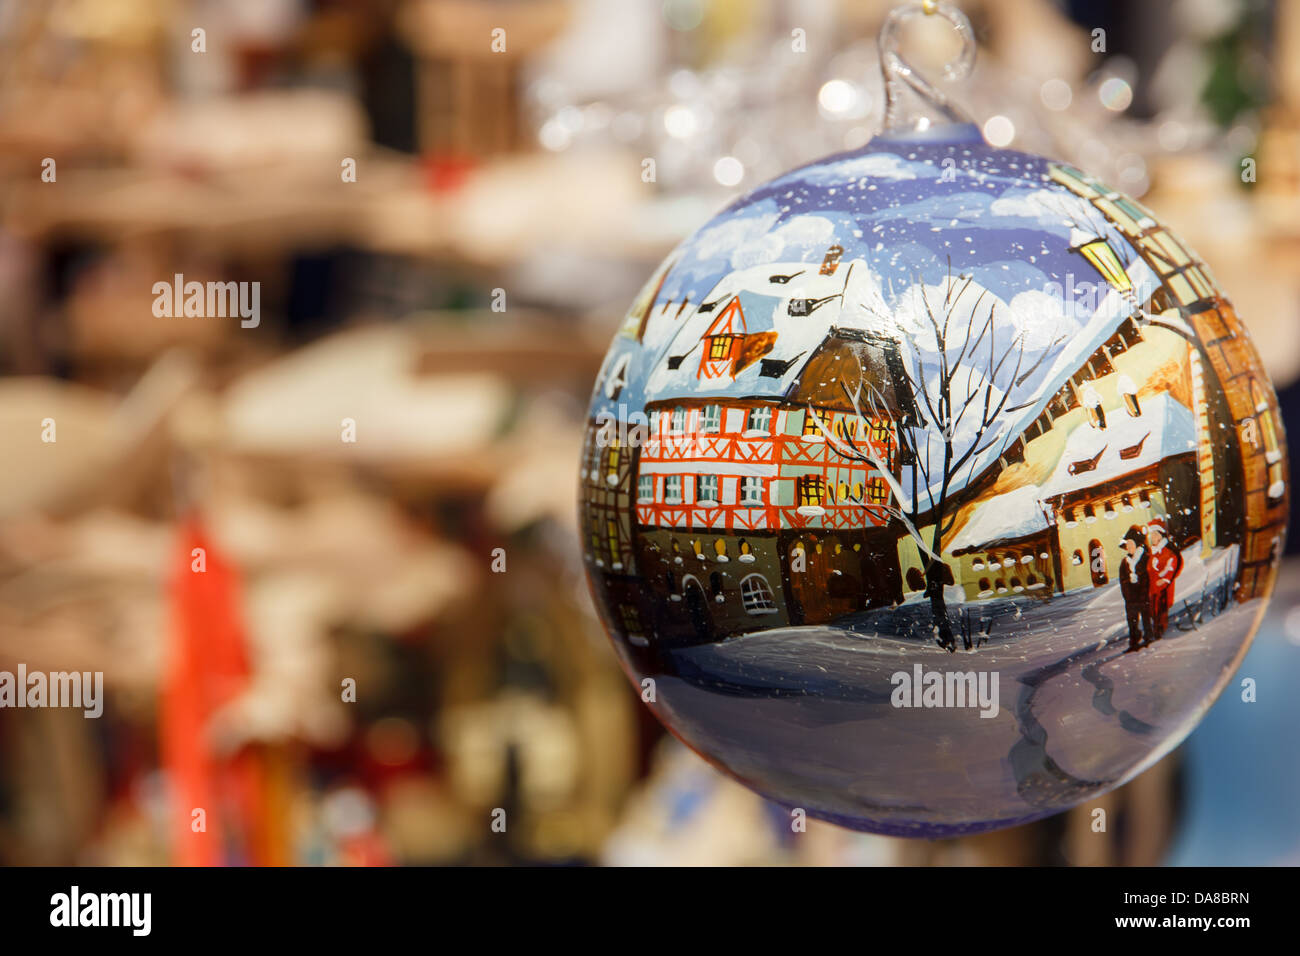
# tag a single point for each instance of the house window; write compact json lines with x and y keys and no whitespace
{"x":1077,"y":558}
{"x":842,"y":493}
{"x":811,"y":490}
{"x":1132,"y":334}
{"x":611,"y":532}
{"x":720,"y":549}
{"x":984,"y":586}
{"x":1065,"y":400}
{"x":720,"y":346}
{"x":711,"y":418}
{"x":706,"y":488}
{"x":679,"y":420}
{"x":1200,"y":283}
{"x":877,"y":491}
{"x":759,"y":419}
{"x":698,"y":547}
{"x":746,"y":552}
{"x":811,"y":423}
{"x":1272,"y":450}
{"x":611,"y":462}
{"x":645,"y":487}
{"x":751,"y":490}
{"x":1101,"y":365}
{"x":881,"y":432}
{"x":673,"y":489}
{"x":859,"y":489}
{"x":756,"y":596}
{"x":1097,"y":553}
{"x":631,"y":621}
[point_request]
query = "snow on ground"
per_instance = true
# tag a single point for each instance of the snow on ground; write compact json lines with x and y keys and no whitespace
{"x":804,"y":714}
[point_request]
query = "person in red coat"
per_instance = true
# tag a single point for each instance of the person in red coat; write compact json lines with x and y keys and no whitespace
{"x":1164,"y":563}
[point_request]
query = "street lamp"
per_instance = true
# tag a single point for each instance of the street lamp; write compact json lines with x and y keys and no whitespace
{"x":1103,"y":257}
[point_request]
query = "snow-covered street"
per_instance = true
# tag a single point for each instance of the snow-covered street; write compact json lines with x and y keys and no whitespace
{"x":806,"y":715}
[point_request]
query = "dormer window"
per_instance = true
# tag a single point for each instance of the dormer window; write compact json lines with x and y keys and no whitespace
{"x":1086,"y":464}
{"x":1128,"y":391}
{"x":1132,"y":451}
{"x":1091,"y":400}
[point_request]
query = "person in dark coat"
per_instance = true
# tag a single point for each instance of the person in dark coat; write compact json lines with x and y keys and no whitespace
{"x":1135,"y":585}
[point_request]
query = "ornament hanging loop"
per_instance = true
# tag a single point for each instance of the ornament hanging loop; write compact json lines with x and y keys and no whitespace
{"x":902,"y":116}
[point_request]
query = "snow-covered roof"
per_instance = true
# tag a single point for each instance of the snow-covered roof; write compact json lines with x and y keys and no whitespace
{"x":849,"y":299}
{"x":1002,"y":518}
{"x":1164,"y":428}
{"x":1112,"y":311}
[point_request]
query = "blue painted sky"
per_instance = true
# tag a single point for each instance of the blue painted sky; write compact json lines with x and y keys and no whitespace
{"x":996,"y":215}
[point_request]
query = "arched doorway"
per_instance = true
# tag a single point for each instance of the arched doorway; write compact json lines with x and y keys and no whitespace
{"x":697,"y":609}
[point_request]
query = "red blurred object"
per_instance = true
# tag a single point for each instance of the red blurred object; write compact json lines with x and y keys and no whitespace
{"x":447,"y":172}
{"x":207,"y":668}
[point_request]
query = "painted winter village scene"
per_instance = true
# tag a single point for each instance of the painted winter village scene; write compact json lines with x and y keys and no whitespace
{"x":943,"y":408}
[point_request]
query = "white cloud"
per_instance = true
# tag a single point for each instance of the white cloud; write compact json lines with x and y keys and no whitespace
{"x":869,"y":166}
{"x":790,"y":241}
{"x":720,"y":241}
{"x":1055,"y":209}
{"x":1042,"y":318}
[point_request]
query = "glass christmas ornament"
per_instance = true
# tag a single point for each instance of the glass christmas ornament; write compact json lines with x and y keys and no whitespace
{"x":932,"y":487}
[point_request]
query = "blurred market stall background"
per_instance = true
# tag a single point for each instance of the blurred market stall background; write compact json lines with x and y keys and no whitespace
{"x":446,"y":225}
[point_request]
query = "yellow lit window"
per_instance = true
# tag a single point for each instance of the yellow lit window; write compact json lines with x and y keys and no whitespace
{"x":811,"y":490}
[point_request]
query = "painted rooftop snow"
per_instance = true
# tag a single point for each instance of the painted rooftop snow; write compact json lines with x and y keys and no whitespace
{"x":1004,"y":517}
{"x":1164,"y":428}
{"x":867,"y":240}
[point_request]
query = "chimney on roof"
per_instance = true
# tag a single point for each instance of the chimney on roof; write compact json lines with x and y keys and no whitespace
{"x":832,"y":260}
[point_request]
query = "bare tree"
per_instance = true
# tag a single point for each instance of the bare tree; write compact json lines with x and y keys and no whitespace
{"x":955,"y":393}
